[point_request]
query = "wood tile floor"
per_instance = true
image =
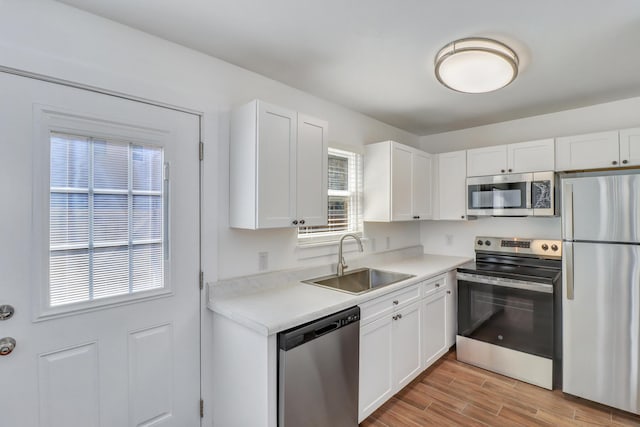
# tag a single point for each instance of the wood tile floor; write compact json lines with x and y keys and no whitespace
{"x":451,"y":393}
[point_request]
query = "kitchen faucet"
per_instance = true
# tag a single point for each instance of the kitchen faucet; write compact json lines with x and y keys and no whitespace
{"x":341,"y":264}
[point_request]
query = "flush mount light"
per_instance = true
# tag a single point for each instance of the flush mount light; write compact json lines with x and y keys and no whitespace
{"x":476,"y":65}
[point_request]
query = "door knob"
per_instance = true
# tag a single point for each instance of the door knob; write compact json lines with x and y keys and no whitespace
{"x":7,"y":344}
{"x":6,"y":312}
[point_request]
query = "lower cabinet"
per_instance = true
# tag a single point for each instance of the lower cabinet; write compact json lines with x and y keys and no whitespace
{"x":451,"y":304}
{"x":398,"y":343}
{"x":434,"y":321}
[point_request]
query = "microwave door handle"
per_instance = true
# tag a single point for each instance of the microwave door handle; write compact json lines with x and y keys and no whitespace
{"x":529,"y":194}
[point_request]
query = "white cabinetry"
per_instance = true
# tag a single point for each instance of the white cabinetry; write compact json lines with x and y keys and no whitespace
{"x":401,"y":334}
{"x":397,"y":183}
{"x":531,"y":156}
{"x":278,"y":168}
{"x":390,"y":346}
{"x":598,"y":150}
{"x":451,"y":186}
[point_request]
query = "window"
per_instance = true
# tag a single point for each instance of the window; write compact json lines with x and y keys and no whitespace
{"x":106,"y":219}
{"x":344,"y":201}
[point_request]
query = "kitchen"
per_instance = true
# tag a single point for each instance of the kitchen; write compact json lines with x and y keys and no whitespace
{"x":168,"y":73}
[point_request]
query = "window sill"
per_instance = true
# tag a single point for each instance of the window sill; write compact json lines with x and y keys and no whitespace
{"x":326,"y":248}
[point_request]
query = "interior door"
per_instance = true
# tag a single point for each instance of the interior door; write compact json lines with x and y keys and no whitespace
{"x":125,"y":353}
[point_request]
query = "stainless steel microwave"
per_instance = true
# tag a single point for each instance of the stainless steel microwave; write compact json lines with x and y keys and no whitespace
{"x":522,"y":194}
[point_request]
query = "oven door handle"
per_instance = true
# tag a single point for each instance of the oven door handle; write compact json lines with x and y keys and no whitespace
{"x":507,"y":283}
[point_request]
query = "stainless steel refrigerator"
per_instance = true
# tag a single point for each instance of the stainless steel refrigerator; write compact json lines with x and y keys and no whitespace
{"x":601,"y":289}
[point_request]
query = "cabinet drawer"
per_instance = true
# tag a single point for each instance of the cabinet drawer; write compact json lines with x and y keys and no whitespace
{"x":432,"y":285}
{"x":387,"y":304}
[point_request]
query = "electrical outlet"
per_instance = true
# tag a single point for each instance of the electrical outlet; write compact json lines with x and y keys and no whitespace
{"x":263,"y":261}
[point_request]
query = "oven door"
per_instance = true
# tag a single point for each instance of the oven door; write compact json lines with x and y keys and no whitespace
{"x":501,"y":195}
{"x":509,"y":313}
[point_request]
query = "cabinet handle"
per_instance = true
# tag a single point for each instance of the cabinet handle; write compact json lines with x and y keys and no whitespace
{"x":399,"y":316}
{"x":614,"y":162}
{"x":395,"y":317}
{"x":624,"y":162}
{"x":302,"y":221}
{"x":449,"y":292}
{"x":295,"y":222}
{"x":437,"y":285}
{"x":416,"y":217}
{"x":510,"y":170}
{"x":502,"y":170}
{"x":395,"y":302}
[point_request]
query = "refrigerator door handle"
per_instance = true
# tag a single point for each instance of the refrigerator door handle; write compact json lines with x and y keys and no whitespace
{"x":567,"y":211}
{"x":568,"y":268}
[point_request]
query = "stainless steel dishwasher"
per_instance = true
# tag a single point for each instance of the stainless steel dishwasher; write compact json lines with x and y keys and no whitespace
{"x":318,"y":372}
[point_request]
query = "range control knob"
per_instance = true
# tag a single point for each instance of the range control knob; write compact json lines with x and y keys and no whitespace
{"x":554,"y":247}
{"x":545,"y":247}
{"x":488,"y":243}
{"x":480,"y":243}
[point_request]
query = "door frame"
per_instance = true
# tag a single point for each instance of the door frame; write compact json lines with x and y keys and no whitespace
{"x":200,"y":116}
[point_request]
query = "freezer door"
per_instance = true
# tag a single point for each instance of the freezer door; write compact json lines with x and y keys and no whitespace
{"x":601,"y":324}
{"x":601,"y":208}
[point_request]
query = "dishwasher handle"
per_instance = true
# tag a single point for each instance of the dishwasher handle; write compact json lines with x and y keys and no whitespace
{"x":299,"y":335}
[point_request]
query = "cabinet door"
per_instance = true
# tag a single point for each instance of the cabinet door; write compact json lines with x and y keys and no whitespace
{"x":630,"y":147}
{"x":276,"y":166}
{"x":311,"y":174}
{"x":422,"y":182}
{"x":592,"y":151}
{"x":487,"y":161}
{"x":451,"y":307}
{"x":452,"y":185}
{"x":406,"y":345}
{"x":434,"y":318}
{"x":376,"y":384}
{"x":401,"y":179}
{"x":533,"y":156}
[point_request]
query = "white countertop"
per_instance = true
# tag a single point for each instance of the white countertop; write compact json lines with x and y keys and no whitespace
{"x":275,"y":309}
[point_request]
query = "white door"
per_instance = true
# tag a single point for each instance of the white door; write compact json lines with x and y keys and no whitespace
{"x":630,"y":147}
{"x":532,"y":156}
{"x":276,"y":166}
{"x":590,"y":151}
{"x":434,"y":318}
{"x":99,"y":257}
{"x":401,"y":180}
{"x":452,"y":185}
{"x":376,"y":382}
{"x":407,"y":341}
{"x":487,"y":161}
{"x":421,"y":183}
{"x":311,"y":171}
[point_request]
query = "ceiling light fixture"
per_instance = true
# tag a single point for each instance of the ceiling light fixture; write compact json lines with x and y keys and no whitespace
{"x":476,"y":65}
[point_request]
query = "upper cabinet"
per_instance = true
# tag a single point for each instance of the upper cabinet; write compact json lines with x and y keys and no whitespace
{"x":278,"y":168}
{"x":532,"y":156}
{"x":598,"y":150}
{"x":397,"y":183}
{"x":451,"y":188}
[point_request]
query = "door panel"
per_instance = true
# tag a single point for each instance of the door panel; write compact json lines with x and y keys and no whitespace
{"x":422,"y":182}
{"x":434,"y":320}
{"x":605,"y":208}
{"x":376,"y":381}
{"x":601,"y":324}
{"x":311,"y":182}
{"x":407,"y":341}
{"x":630,"y":147}
{"x":135,"y":362}
{"x":401,"y":181}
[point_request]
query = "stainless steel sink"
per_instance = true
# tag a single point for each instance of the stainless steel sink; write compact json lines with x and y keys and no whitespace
{"x":359,"y":280}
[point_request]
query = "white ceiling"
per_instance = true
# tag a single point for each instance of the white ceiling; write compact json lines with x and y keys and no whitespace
{"x":376,"y":56}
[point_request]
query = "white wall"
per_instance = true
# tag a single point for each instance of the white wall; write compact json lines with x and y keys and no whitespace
{"x":456,"y":237}
{"x":56,"y":40}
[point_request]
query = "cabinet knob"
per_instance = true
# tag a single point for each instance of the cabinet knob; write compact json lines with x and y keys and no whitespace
{"x":502,"y":170}
{"x":510,"y":170}
{"x":461,"y":216}
{"x":449,"y":292}
{"x":295,"y":222}
{"x":302,"y":221}
{"x":395,"y":302}
{"x":437,"y":285}
{"x":624,"y":162}
{"x":614,"y":162}
{"x":395,"y":317}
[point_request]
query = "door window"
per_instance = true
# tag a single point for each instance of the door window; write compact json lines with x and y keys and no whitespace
{"x":107,"y":204}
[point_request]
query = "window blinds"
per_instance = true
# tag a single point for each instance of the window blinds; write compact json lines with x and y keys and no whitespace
{"x":105,"y":219}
